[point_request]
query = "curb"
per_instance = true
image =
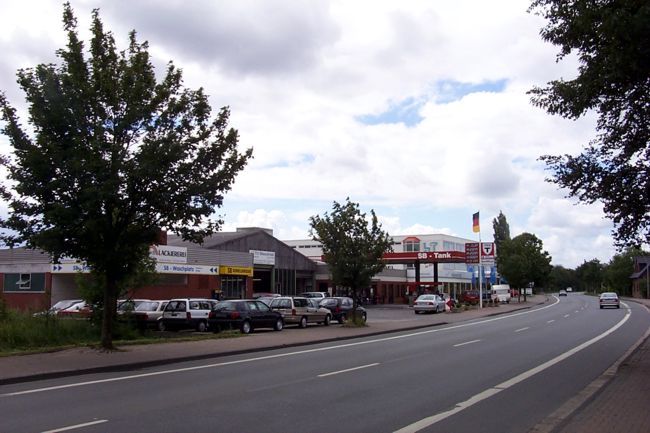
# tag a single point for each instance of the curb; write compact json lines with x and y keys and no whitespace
{"x":160,"y":362}
{"x":556,"y":421}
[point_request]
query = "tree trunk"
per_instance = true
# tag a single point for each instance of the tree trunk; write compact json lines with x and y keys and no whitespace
{"x":110,"y":305}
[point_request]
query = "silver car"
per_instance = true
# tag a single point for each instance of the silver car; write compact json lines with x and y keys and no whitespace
{"x":429,"y":304}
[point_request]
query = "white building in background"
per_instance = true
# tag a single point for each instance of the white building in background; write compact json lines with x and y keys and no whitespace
{"x":453,"y":276}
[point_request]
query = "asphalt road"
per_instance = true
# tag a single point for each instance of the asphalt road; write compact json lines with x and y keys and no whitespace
{"x":499,"y":374}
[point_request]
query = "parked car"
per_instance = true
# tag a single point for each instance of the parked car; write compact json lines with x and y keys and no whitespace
{"x":266,"y":299}
{"x":501,"y":293}
{"x":149,"y":314}
{"x":609,"y":299}
{"x":187,"y":313}
{"x":245,"y":315}
{"x":341,"y":307}
{"x":317,"y":295}
{"x":59,"y":306}
{"x":79,"y":310}
{"x":128,"y":305}
{"x":299,"y":311}
{"x":429,"y":303}
{"x":562,"y":293}
{"x":472,"y":297}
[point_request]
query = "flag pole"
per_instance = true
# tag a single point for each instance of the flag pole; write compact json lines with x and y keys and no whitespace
{"x":480,"y":269}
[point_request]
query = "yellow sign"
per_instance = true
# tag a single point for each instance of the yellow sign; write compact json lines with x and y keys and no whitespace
{"x":236,"y":270}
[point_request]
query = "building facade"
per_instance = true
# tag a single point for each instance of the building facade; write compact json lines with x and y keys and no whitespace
{"x":228,"y":265}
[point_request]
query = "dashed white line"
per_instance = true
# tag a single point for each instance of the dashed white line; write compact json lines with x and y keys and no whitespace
{"x":522,"y":329}
{"x":466,"y":343}
{"x":280,"y":355}
{"x":348,"y":370}
{"x":483,"y":395}
{"x":72,"y":427}
{"x":566,"y":315}
{"x":551,"y":321}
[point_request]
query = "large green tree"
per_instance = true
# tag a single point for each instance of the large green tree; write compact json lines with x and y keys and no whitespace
{"x":611,"y":40}
{"x":501,"y":230}
{"x":591,"y":275}
{"x":112,"y":157}
{"x":522,"y":261}
{"x":353,"y":246}
{"x":618,"y":270}
{"x":561,"y":278}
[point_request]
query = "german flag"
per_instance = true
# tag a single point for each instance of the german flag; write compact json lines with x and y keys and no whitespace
{"x":476,"y":227}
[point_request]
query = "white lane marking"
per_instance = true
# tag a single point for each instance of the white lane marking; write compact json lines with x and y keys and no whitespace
{"x":433,"y":419}
{"x":551,"y":321}
{"x":465,"y":343}
{"x":279,"y":355}
{"x":72,"y":427}
{"x":348,"y":370}
{"x":522,"y":329}
{"x":577,"y":311}
{"x":566,"y":315}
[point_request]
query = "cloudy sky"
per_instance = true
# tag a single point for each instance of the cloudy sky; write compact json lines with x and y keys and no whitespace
{"x":416,"y":109}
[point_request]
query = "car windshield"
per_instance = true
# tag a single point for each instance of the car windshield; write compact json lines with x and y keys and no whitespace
{"x":426,"y":297}
{"x":608,"y":295}
{"x":329,"y":302}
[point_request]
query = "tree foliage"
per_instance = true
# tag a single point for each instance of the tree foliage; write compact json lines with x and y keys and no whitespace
{"x":113,"y":156}
{"x":561,"y":278}
{"x":591,"y":274}
{"x":501,"y":230}
{"x":612,"y":43}
{"x":522,"y":261}
{"x":618,"y":270}
{"x":353,"y":246}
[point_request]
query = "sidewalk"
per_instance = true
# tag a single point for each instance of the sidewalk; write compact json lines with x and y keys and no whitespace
{"x":617,"y":401}
{"x":23,"y":368}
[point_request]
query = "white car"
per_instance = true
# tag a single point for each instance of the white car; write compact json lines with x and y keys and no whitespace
{"x":187,"y":313}
{"x":429,"y":304}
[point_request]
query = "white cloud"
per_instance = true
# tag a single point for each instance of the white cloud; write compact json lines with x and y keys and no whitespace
{"x":298,"y":77}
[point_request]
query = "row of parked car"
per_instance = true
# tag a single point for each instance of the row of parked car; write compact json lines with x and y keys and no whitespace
{"x":244,"y":314}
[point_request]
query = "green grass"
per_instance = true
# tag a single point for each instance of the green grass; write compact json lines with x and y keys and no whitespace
{"x":21,"y":333}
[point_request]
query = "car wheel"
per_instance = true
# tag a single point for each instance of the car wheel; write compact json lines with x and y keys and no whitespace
{"x":246,"y":327}
{"x":601,"y":307}
{"x":303,"y":322}
{"x":202,"y":326}
{"x":160,"y":326}
{"x":327,"y":320}
{"x":279,"y":324}
{"x":342,"y":319}
{"x":416,"y":312}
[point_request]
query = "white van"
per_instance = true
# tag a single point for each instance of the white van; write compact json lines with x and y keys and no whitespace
{"x":501,"y":292}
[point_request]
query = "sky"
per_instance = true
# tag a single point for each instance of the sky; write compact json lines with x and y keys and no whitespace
{"x":416,"y":109}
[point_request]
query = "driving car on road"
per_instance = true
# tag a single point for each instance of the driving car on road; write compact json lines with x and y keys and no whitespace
{"x":429,"y":303}
{"x":609,"y":299}
{"x":562,"y":293}
{"x":245,"y":315}
{"x":299,"y":311}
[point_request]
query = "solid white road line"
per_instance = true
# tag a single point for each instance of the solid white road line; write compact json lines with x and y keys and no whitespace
{"x":279,"y":355}
{"x":72,"y":427}
{"x":433,"y":419}
{"x":347,"y":370}
{"x":522,"y":329}
{"x":465,"y":343}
